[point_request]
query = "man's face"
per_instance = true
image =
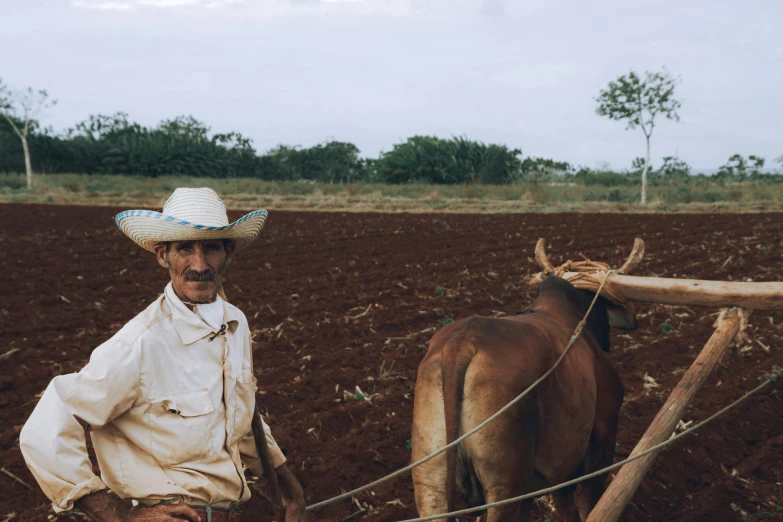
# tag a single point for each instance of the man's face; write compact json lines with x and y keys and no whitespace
{"x":195,"y":267}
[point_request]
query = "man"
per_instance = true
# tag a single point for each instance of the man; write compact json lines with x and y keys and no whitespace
{"x":170,"y":398}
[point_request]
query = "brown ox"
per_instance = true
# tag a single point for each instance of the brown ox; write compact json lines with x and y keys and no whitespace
{"x":566,"y":427}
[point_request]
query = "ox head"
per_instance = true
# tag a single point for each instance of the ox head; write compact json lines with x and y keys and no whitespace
{"x":560,"y":298}
{"x":605,"y":314}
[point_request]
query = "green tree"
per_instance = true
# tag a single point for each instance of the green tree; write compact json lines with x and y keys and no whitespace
{"x":331,"y":162}
{"x":756,"y":164}
{"x":434,"y":160}
{"x":638,"y":101}
{"x":535,"y":170}
{"x":674,"y":167}
{"x":21,"y":109}
{"x":102,"y":127}
{"x":638,"y":164}
{"x":737,"y":168}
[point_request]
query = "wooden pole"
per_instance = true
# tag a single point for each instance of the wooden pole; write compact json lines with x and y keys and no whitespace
{"x":270,"y":473}
{"x":721,"y":294}
{"x":624,"y":485}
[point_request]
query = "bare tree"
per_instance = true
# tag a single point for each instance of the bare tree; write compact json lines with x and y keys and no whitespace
{"x":23,"y":107}
{"x":638,"y":101}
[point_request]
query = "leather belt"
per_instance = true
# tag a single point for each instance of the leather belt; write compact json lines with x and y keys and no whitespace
{"x":215,"y":514}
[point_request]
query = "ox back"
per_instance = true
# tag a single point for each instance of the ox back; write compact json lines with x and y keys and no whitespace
{"x":564,"y":428}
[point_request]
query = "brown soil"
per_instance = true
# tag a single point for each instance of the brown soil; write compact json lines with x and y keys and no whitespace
{"x":333,"y":297}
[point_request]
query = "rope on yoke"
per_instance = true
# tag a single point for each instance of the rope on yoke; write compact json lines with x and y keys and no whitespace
{"x":590,"y":275}
{"x":770,"y":378}
{"x":574,"y":337}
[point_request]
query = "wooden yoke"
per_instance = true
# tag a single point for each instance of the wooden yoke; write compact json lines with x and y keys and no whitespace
{"x":695,"y":292}
{"x":670,"y":291}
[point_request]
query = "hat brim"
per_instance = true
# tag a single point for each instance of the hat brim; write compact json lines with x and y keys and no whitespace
{"x":148,"y":228}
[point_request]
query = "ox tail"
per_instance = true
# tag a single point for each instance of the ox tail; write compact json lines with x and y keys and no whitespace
{"x":457,"y":354}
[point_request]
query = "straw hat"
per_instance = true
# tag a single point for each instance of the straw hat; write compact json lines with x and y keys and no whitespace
{"x":190,"y":214}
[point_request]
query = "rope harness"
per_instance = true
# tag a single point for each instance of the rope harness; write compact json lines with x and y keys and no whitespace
{"x":591,"y":275}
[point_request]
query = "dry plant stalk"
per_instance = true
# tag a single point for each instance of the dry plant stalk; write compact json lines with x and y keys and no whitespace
{"x":22,"y":482}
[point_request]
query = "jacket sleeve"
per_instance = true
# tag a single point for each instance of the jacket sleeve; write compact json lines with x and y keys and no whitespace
{"x":249,"y":454}
{"x":53,"y":440}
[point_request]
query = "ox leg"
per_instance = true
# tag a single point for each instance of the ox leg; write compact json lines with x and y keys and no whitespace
{"x":428,"y":435}
{"x":565,"y":505}
{"x":513,"y":513}
{"x":600,"y":454}
{"x":516,"y":512}
{"x":502,"y":454}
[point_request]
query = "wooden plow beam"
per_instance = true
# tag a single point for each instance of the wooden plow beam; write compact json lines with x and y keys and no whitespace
{"x":740,"y":295}
{"x":670,"y":291}
{"x":627,"y":481}
{"x":695,"y":292}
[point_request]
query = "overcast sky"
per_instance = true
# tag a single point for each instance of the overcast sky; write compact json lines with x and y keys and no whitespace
{"x":374,"y":72}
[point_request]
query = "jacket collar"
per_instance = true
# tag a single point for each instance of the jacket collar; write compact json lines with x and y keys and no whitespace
{"x":189,"y":325}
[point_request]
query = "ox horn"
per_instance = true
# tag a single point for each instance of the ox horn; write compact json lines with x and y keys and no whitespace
{"x":541,"y":258}
{"x":637,"y":253}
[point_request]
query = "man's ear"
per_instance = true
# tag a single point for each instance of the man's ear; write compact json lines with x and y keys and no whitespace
{"x":160,"y":253}
{"x":620,"y":317}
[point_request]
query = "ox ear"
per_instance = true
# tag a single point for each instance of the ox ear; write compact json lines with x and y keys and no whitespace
{"x":620,"y":317}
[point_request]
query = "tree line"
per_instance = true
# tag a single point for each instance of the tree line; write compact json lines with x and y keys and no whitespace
{"x":113,"y":144}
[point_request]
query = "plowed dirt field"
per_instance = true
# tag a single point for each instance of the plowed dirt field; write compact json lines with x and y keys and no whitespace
{"x":338,"y":300}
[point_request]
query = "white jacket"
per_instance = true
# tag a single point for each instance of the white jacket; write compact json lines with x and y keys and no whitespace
{"x":170,"y":407}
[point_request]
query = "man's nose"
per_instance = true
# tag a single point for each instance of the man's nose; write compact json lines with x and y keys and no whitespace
{"x":199,"y":260}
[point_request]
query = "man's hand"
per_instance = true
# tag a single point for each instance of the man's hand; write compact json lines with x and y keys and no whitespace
{"x":105,"y":507}
{"x":293,"y":496}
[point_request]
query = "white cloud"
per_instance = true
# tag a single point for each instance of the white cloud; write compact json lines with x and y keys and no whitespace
{"x":280,"y":7}
{"x":168,"y":3}
{"x":130,"y":4}
{"x":217,"y":4}
{"x":106,"y":6}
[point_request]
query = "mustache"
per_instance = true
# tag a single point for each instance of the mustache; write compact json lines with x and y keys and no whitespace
{"x":207,"y":275}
